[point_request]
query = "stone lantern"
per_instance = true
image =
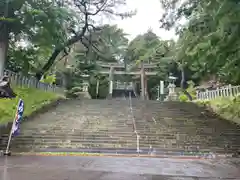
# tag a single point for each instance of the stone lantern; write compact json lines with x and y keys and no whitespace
{"x":172,"y":95}
{"x":85,"y":83}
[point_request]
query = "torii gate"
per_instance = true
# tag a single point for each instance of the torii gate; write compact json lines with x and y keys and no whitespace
{"x":141,"y":70}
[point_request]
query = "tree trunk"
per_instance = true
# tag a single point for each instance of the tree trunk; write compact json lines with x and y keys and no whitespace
{"x":3,"y":48}
{"x":182,"y":84}
{"x":182,"y":78}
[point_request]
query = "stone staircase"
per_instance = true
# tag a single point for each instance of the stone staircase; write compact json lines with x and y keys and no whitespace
{"x":78,"y":125}
{"x":108,"y":125}
{"x":121,"y":93}
{"x":178,"y":126}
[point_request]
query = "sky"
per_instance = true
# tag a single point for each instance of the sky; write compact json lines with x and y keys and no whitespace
{"x":148,"y":15}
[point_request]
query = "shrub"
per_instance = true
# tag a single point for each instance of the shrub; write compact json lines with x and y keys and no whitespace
{"x":191,"y":90}
{"x":102,"y":89}
{"x":49,"y":79}
{"x":182,"y":97}
{"x":74,"y":92}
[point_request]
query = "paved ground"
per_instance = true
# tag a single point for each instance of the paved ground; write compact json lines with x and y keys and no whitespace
{"x":116,"y":168}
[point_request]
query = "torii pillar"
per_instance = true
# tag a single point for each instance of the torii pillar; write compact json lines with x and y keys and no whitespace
{"x":111,"y":73}
{"x":145,"y":86}
{"x":142,"y":81}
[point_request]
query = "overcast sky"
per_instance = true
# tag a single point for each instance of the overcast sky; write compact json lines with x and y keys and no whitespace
{"x":148,"y":15}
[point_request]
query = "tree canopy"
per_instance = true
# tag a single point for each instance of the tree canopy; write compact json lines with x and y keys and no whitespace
{"x":49,"y":28}
{"x":208,"y":43}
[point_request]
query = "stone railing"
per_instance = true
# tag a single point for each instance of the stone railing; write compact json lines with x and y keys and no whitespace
{"x":219,"y":92}
{"x":31,"y":82}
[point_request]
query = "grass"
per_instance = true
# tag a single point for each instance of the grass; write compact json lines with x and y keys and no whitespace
{"x":226,"y":107}
{"x":33,"y":100}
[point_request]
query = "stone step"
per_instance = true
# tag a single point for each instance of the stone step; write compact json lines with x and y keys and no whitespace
{"x":123,"y":144}
{"x":170,"y":126}
{"x":102,"y":134}
{"x":184,"y":143}
{"x":146,"y":124}
{"x":75,"y":133}
{"x":188,"y":147}
{"x":106,"y":122}
{"x":129,"y":137}
{"x":78,"y":141}
{"x":70,"y":145}
{"x":128,"y":129}
{"x":172,"y":115}
{"x":97,"y":134}
{"x":147,"y":140}
{"x":156,"y":148}
{"x":191,"y":130}
{"x":167,"y":111}
{"x":72,"y":138}
{"x":182,"y":126}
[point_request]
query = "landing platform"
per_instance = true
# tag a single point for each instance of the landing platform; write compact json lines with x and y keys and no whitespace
{"x":116,"y":168}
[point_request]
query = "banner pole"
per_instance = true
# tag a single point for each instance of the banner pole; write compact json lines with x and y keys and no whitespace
{"x":7,"y":152}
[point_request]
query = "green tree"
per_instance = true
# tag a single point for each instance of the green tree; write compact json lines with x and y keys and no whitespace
{"x":104,"y":45}
{"x":38,"y":23}
{"x":107,"y":44}
{"x":55,"y":26}
{"x":208,"y":43}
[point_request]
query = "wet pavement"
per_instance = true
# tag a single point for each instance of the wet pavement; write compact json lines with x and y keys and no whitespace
{"x":116,"y":168}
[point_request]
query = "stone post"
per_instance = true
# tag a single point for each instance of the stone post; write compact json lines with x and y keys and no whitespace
{"x":161,"y":90}
{"x":97,"y":89}
{"x":111,"y":73}
{"x":142,"y":81}
{"x":145,"y":87}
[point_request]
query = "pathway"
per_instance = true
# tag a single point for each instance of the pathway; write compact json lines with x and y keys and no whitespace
{"x":109,"y":168}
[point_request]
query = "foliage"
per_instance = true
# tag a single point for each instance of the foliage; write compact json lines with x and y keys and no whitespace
{"x":191,"y":90}
{"x":108,"y":45}
{"x":148,"y":47}
{"x":73,"y":93}
{"x":49,"y":79}
{"x":49,"y":29}
{"x":33,"y":99}
{"x":182,"y":97}
{"x":208,"y":42}
{"x":39,"y":24}
{"x":226,"y":107}
{"x":102,"y":89}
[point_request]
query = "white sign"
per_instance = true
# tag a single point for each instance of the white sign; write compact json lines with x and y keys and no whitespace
{"x":161,"y":87}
